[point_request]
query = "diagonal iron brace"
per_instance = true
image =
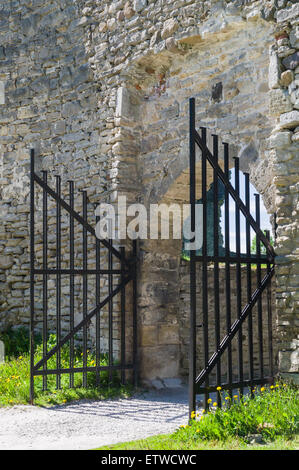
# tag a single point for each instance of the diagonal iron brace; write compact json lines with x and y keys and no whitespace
{"x":234,"y":328}
{"x":75,"y":214}
{"x":234,"y":195}
{"x":82,"y":323}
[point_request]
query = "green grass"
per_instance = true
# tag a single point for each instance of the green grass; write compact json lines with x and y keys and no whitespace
{"x":273,"y":414}
{"x":172,"y":442}
{"x":15,"y":379}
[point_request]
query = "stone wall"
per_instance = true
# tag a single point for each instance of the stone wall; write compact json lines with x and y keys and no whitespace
{"x":91,"y":85}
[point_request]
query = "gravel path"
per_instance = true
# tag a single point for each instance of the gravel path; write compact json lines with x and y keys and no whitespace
{"x":90,"y":424}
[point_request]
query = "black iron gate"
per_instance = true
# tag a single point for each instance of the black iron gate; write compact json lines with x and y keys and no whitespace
{"x":239,"y":278}
{"x":63,"y":249}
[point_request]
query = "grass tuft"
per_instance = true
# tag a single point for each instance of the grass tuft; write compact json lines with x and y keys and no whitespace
{"x":15,"y":380}
{"x":274,"y":411}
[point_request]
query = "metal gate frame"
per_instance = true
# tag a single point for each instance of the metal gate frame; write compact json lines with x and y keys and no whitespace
{"x":199,"y":383}
{"x":126,"y":273}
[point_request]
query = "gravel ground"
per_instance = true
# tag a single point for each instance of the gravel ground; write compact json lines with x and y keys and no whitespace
{"x":90,"y":424}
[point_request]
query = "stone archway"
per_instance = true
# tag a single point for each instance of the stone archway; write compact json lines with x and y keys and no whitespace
{"x":227,"y":74}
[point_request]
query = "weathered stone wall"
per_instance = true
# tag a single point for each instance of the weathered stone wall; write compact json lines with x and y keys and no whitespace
{"x":51,"y":104}
{"x":92,"y":84}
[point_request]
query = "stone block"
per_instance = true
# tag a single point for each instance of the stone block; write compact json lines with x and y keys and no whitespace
{"x":122,"y":103}
{"x":286,"y":78}
{"x":274,"y":69}
{"x":59,"y":127}
{"x":159,"y":362}
{"x":139,"y":5}
{"x":291,"y":61}
{"x":169,"y":27}
{"x":71,"y":108}
{"x":27,"y":112}
{"x":294,"y":37}
{"x":5,"y":262}
{"x":2,"y":93}
{"x":148,"y":336}
{"x":289,"y":361}
{"x":2,"y":352}
{"x":279,"y":102}
{"x":288,"y":14}
{"x":289,"y":120}
{"x":168,"y":334}
{"x":128,"y":11}
{"x":293,"y":378}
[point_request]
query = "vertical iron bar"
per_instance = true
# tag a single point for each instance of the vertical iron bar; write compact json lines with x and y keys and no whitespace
{"x":259,"y":302}
{"x":123,"y":318}
{"x":249,"y":286}
{"x":205,"y":265}
{"x":227,"y":269}
{"x":72,"y":284}
{"x":269,"y":308}
{"x":84,"y":240}
{"x":216,"y":266}
{"x":58,"y":280}
{"x":238,"y":276}
{"x":45,"y":277}
{"x":110,"y":311}
{"x":192,"y":350}
{"x":98,"y":317}
{"x":135,"y":325}
{"x":31,"y":276}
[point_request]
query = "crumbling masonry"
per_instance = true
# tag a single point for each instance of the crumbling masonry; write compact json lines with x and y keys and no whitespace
{"x":100,"y":89}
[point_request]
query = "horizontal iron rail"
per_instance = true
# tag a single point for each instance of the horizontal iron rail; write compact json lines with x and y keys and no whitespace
{"x":78,"y":272}
{"x":234,"y":195}
{"x":235,"y":385}
{"x":233,"y":259}
{"x":82,"y":323}
{"x":81,"y":369}
{"x":75,"y":214}
{"x":234,"y":329}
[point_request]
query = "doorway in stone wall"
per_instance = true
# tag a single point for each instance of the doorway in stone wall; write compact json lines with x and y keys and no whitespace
{"x":231,"y":338}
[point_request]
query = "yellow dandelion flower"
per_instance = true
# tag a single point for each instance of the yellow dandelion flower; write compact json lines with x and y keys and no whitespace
{"x":214,"y":404}
{"x":209,"y":400}
{"x":235,"y":396}
{"x":227,"y":398}
{"x":276,"y":385}
{"x":218,"y":388}
{"x":272,"y":386}
{"x":197,"y":430}
{"x":262,"y":389}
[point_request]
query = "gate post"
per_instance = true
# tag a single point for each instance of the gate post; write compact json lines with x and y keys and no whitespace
{"x":31,"y":275}
{"x":192,"y":346}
